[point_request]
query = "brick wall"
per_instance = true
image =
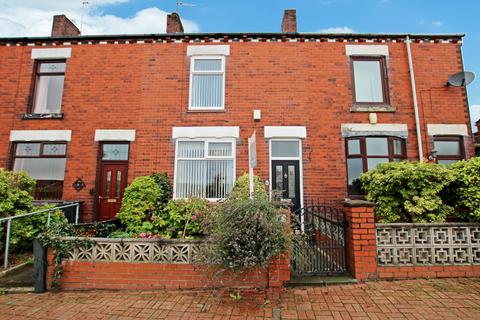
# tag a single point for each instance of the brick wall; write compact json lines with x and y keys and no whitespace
{"x":361,"y":243}
{"x":362,"y":252}
{"x":412,"y":272}
{"x":145,"y":276}
{"x":146,"y":87}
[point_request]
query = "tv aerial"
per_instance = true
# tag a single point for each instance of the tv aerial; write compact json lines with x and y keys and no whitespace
{"x":183,"y":4}
{"x":84,"y":4}
{"x":461,"y":79}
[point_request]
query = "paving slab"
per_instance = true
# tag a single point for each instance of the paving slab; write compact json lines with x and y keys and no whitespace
{"x":408,"y":299}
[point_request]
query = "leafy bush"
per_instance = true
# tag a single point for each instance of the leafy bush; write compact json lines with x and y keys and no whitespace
{"x":146,"y":210}
{"x":241,"y":189}
{"x":24,"y":230}
{"x":162,"y":180}
{"x":244,"y":234}
{"x":182,"y":217}
{"x":141,"y":201}
{"x":15,"y":193}
{"x":408,"y":192}
{"x":16,"y":199}
{"x":464,"y":192}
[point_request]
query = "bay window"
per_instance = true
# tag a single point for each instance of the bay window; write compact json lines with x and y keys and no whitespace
{"x":49,"y":80}
{"x":45,"y":162}
{"x":365,"y":153}
{"x":204,"y":168}
{"x":207,"y":82}
{"x":449,"y":149}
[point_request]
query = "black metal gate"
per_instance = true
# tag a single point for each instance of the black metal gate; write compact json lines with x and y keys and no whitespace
{"x":318,"y":241}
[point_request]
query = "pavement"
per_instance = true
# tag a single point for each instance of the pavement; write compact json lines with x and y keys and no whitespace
{"x":408,"y":299}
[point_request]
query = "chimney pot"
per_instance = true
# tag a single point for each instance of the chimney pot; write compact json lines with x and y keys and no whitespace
{"x":62,"y":27}
{"x":174,"y":23}
{"x":289,"y":22}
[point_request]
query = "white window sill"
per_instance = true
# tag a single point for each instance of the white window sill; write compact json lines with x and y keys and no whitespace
{"x":217,"y":109}
{"x":372,"y":108}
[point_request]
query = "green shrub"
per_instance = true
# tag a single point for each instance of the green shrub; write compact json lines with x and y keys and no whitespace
{"x":162,"y":180}
{"x":183,"y":217}
{"x":140,"y":204}
{"x":25,"y":230}
{"x":464,"y":192}
{"x":241,"y":188}
{"x":244,"y":234}
{"x":15,"y":193}
{"x":408,"y":192}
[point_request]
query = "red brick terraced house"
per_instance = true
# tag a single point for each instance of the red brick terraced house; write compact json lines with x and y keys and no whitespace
{"x":85,"y":115}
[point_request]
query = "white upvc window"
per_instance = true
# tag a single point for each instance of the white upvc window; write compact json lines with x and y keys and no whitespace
{"x":207,"y":82}
{"x":204,"y":168}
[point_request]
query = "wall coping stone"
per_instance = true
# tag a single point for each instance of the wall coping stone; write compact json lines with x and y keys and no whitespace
{"x":358,"y":203}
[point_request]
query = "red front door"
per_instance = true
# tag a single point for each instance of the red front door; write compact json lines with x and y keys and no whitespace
{"x":112,"y":184}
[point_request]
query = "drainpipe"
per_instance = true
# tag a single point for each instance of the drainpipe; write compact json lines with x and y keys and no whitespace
{"x":415,"y":101}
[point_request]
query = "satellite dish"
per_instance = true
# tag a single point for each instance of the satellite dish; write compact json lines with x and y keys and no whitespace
{"x":461,"y":79}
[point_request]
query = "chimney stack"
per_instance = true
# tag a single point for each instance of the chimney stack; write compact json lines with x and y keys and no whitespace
{"x":289,"y":22}
{"x":174,"y":23}
{"x":62,"y":27}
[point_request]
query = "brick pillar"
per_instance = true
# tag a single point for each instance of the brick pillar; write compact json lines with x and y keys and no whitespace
{"x":62,"y":27}
{"x":361,"y":242}
{"x":174,"y":23}
{"x":289,"y":22}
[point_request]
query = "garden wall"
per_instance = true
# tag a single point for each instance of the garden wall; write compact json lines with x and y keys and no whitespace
{"x":407,"y":250}
{"x":142,"y":264}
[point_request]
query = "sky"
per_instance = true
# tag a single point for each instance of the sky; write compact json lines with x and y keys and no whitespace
{"x":34,"y":18}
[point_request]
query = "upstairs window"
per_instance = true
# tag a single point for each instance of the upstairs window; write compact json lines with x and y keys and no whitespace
{"x":370,"y":80}
{"x":44,"y":162}
{"x":204,"y":168}
{"x":207,"y":83}
{"x":449,"y":149}
{"x":365,"y":153}
{"x":50,"y":76}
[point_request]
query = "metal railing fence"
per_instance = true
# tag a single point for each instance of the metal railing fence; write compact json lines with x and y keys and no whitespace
{"x":8,"y":221}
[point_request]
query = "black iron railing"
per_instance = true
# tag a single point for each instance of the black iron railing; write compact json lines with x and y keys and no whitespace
{"x":319,"y":240}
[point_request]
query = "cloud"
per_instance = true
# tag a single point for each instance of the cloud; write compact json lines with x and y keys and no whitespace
{"x":337,"y":30}
{"x":437,"y":23}
{"x":475,"y":115}
{"x":34,"y":18}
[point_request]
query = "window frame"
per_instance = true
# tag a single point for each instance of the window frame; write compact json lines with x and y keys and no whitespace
{"x":384,"y":79}
{"x":37,"y":74}
{"x":103,"y":143}
{"x":206,"y":158}
{"x":193,"y":72}
{"x":450,"y":138}
{"x":41,"y":156}
{"x":363,"y":153}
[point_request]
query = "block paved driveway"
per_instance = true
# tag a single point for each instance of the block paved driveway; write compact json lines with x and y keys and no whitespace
{"x":410,"y":299}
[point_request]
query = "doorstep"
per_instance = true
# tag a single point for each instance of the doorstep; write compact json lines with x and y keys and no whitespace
{"x":296,"y":281}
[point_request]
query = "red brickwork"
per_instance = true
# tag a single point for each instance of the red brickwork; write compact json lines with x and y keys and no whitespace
{"x":412,"y":272}
{"x":146,"y":87}
{"x":62,"y":26}
{"x":145,"y":276}
{"x":289,"y":22}
{"x":361,"y":243}
{"x":174,"y":24}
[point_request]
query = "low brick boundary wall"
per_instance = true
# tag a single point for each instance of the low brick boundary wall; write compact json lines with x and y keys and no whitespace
{"x":407,"y":251}
{"x":142,"y":264}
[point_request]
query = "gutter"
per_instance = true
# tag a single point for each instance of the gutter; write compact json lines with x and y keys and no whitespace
{"x":239,"y":36}
{"x":415,"y":101}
